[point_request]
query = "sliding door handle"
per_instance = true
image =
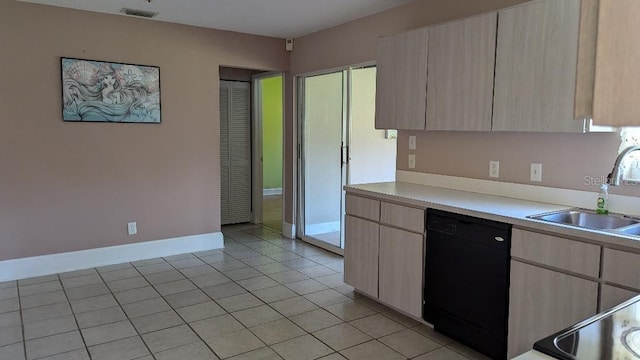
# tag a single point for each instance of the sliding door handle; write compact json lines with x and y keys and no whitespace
{"x":344,"y":155}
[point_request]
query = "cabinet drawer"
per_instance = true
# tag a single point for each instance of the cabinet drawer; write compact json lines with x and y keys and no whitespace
{"x":363,"y":207}
{"x":555,"y":251}
{"x":403,"y":217}
{"x":621,"y":268}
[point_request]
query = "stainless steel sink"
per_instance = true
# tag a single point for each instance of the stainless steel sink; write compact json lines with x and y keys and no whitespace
{"x":589,"y":219}
{"x":630,"y":230}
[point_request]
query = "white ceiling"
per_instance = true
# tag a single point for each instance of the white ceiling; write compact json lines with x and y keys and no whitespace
{"x":277,"y":18}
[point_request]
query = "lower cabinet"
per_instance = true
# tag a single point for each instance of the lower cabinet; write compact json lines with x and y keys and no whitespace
{"x":543,"y":301}
{"x":401,"y":269}
{"x":619,"y":268}
{"x":361,"y":248}
{"x":611,"y":296}
{"x":384,"y":252}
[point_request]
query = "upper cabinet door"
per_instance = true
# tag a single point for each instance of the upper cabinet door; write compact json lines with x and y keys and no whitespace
{"x":536,"y":67}
{"x":461,"y":69}
{"x":401,"y":87}
{"x":385,"y":84}
{"x":617,"y":78}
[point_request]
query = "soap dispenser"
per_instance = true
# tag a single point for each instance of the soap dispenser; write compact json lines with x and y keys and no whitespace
{"x":603,"y":200}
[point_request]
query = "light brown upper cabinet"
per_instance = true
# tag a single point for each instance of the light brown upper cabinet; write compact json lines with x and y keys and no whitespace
{"x":609,"y":38}
{"x":536,"y":59}
{"x":461,"y":65}
{"x":401,"y":84}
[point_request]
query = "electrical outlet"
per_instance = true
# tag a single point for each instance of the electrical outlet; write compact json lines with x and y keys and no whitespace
{"x":536,"y":172}
{"x":412,"y":161}
{"x":412,"y":142}
{"x":132,"y":228}
{"x":494,"y":168}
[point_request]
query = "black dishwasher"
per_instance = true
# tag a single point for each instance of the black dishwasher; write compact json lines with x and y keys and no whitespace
{"x":466,"y":289}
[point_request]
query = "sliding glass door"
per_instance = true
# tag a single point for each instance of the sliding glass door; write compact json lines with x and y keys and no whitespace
{"x":338,"y":145}
{"x":323,"y":158}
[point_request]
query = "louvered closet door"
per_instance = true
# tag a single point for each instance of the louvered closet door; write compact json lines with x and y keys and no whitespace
{"x":235,"y":152}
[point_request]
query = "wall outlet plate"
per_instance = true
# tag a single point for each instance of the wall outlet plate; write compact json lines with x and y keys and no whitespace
{"x":412,"y":161}
{"x":536,"y":172}
{"x":132,"y":228}
{"x":494,"y":168}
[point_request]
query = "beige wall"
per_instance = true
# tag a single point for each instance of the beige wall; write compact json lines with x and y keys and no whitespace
{"x":566,"y":158}
{"x":70,"y":186}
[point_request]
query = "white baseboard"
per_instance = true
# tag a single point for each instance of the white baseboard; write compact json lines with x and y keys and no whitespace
{"x":23,"y":268}
{"x":270,"y":192}
{"x":566,"y":197}
{"x":288,"y":230}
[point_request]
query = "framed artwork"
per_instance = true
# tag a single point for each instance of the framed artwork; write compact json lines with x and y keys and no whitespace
{"x":98,"y":91}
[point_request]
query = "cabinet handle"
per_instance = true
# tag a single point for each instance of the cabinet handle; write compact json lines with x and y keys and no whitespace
{"x":498,"y":238}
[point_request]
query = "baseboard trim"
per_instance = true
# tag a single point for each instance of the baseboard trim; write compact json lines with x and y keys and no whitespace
{"x":288,"y":230}
{"x":23,"y":268}
{"x":567,"y":197}
{"x":270,"y":192}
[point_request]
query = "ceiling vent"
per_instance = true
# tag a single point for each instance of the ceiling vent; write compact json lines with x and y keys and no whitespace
{"x":139,"y":13}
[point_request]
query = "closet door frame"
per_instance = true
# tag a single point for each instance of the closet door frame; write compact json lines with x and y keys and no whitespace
{"x":231,"y":84}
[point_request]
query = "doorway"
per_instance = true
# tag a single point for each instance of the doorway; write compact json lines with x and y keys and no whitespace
{"x":251,"y":138}
{"x":338,"y":145}
{"x":269,"y":123}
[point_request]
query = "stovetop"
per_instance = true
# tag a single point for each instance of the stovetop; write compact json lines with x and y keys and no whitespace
{"x":611,"y":335}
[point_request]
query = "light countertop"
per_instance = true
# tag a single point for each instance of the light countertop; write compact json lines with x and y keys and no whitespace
{"x":497,"y":208}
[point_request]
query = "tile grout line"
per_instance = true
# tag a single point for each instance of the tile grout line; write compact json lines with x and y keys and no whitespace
{"x":244,"y":245}
{"x":334,"y":351}
{"x":125,"y":314}
{"x":24,"y":338}
{"x":207,"y":295}
{"x":270,"y":346}
{"x":58,"y":317}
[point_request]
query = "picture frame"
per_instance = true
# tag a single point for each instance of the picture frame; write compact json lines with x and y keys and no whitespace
{"x":102,"y":91}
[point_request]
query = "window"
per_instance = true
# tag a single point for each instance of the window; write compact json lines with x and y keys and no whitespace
{"x":630,"y":136}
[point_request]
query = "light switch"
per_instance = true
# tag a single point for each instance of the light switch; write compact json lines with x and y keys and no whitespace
{"x":412,"y":142}
{"x":536,"y":172}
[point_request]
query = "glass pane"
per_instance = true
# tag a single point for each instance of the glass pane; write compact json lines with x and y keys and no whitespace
{"x":372,"y":152}
{"x":322,"y":147}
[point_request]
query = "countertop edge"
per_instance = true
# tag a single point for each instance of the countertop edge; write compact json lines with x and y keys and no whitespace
{"x":393,"y":192}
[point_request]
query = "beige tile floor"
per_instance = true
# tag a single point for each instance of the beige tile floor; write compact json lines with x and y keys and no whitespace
{"x":262,"y":297}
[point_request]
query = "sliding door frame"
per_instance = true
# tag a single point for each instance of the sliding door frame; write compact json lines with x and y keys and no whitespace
{"x":299,"y":129}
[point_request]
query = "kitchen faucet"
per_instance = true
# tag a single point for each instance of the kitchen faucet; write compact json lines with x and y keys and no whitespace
{"x":615,"y":176}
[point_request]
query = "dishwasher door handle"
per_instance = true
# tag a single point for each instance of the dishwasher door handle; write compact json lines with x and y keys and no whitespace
{"x":499,"y":238}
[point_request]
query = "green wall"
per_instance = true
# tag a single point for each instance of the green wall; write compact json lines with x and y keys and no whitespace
{"x":272,"y":132}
